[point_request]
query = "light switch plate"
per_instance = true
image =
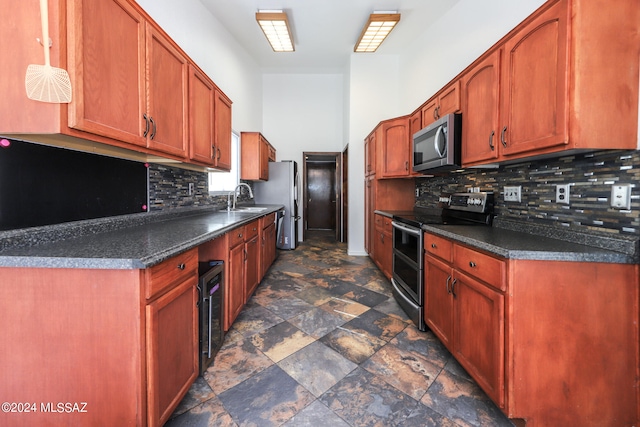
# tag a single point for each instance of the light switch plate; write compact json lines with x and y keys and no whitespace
{"x":513,"y":193}
{"x":621,"y":196}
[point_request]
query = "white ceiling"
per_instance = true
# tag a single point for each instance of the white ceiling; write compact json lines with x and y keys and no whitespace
{"x":324,"y":31}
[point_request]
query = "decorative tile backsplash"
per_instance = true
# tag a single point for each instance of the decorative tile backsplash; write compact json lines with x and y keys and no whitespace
{"x":169,"y":188}
{"x":590,"y":177}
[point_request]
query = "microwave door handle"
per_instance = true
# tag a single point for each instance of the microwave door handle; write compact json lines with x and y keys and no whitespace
{"x":436,"y":142}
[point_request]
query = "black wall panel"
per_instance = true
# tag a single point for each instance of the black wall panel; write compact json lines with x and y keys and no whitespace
{"x":42,"y":185}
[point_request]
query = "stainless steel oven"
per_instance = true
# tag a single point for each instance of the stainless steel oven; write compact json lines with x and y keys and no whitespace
{"x":407,"y":279}
{"x":408,"y":251}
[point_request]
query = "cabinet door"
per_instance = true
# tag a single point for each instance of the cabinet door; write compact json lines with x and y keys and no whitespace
{"x":370,"y":155}
{"x":395,"y":148}
{"x":268,"y":250}
{"x":172,"y":349}
{"x":222,"y":131}
{"x":201,"y":95}
{"x":369,"y":203}
{"x":264,"y":159}
{"x":235,"y":285}
{"x":386,"y":253}
{"x":480,"y":139}
{"x":167,"y":94}
{"x":430,"y":112}
{"x":534,"y":84}
{"x":107,"y":67}
{"x":251,"y":267}
{"x":438,"y":302}
{"x":479,"y":338}
{"x":449,"y":99}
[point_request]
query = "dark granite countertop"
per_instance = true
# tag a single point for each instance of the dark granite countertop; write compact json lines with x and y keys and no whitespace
{"x":128,"y":242}
{"x":522,"y":240}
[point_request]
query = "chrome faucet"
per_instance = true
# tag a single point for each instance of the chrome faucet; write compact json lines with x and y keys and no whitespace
{"x":235,"y":195}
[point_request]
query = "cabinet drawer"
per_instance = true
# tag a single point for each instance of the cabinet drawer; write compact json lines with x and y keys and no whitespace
{"x":160,"y":277}
{"x":484,"y":267}
{"x":236,"y":236}
{"x":268,"y":219}
{"x":438,"y":246}
{"x":251,"y":230}
{"x":378,"y":220}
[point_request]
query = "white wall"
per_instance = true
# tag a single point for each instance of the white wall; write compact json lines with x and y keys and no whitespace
{"x":373,"y":97}
{"x":303,"y":112}
{"x":219,"y":55}
{"x":454,"y":42}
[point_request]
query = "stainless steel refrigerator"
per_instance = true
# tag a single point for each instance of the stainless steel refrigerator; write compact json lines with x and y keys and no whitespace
{"x":282,"y":189}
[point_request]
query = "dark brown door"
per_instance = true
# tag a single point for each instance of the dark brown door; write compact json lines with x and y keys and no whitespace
{"x":321,"y":195}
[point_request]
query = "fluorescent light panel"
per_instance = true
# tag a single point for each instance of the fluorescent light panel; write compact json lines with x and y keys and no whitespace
{"x":375,"y":31}
{"x":275,"y":27}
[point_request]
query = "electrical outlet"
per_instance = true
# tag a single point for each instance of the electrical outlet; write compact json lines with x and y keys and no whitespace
{"x":621,"y":196}
{"x":513,"y":194}
{"x":562,"y":193}
{"x":417,"y":192}
{"x":191,"y":188}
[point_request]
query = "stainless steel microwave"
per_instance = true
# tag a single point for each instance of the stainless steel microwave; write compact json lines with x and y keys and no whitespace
{"x":437,"y":147}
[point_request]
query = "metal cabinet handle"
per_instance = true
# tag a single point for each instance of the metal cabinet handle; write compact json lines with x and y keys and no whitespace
{"x":213,"y":148}
{"x":502,"y":139}
{"x":433,"y":245}
{"x":472,"y":264}
{"x":153,"y":123}
{"x":219,"y":154}
{"x":146,"y":124}
{"x":406,"y":165}
{"x":491,"y":140}
{"x":435,"y":113}
{"x":245,"y":255}
{"x":447,"y":284}
{"x":452,"y":287}
{"x":181,"y":266}
{"x":239,"y":234}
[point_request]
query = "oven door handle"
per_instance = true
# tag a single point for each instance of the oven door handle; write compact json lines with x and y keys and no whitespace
{"x":411,"y":230}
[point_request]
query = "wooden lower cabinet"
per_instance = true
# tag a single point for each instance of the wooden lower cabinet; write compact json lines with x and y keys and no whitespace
{"x":172,"y":350}
{"x":251,"y":260}
{"x":240,"y":249}
{"x":92,"y":337}
{"x":268,"y":244}
{"x":550,"y":342}
{"x":383,"y":244}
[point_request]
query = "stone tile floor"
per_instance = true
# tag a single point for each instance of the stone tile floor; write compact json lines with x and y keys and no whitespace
{"x":323,"y":343}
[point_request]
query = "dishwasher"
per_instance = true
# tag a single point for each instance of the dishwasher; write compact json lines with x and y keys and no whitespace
{"x":210,"y":308}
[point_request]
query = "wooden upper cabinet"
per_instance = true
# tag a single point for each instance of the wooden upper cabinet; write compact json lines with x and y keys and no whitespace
{"x":209,"y":122}
{"x":167,"y":69}
{"x":201,"y":137}
{"x":256,"y":152}
{"x":130,"y":86}
{"x":445,"y":102}
{"x":534,"y":84}
{"x":106,"y":53}
{"x":222,"y":131}
{"x":370,"y":154}
{"x":480,"y":107}
{"x":396,"y":148}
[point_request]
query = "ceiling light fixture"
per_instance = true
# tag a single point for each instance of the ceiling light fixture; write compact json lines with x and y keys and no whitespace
{"x":376,"y":30}
{"x":275,"y":27}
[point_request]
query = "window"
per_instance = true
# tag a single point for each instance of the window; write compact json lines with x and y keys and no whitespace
{"x":223,"y":182}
